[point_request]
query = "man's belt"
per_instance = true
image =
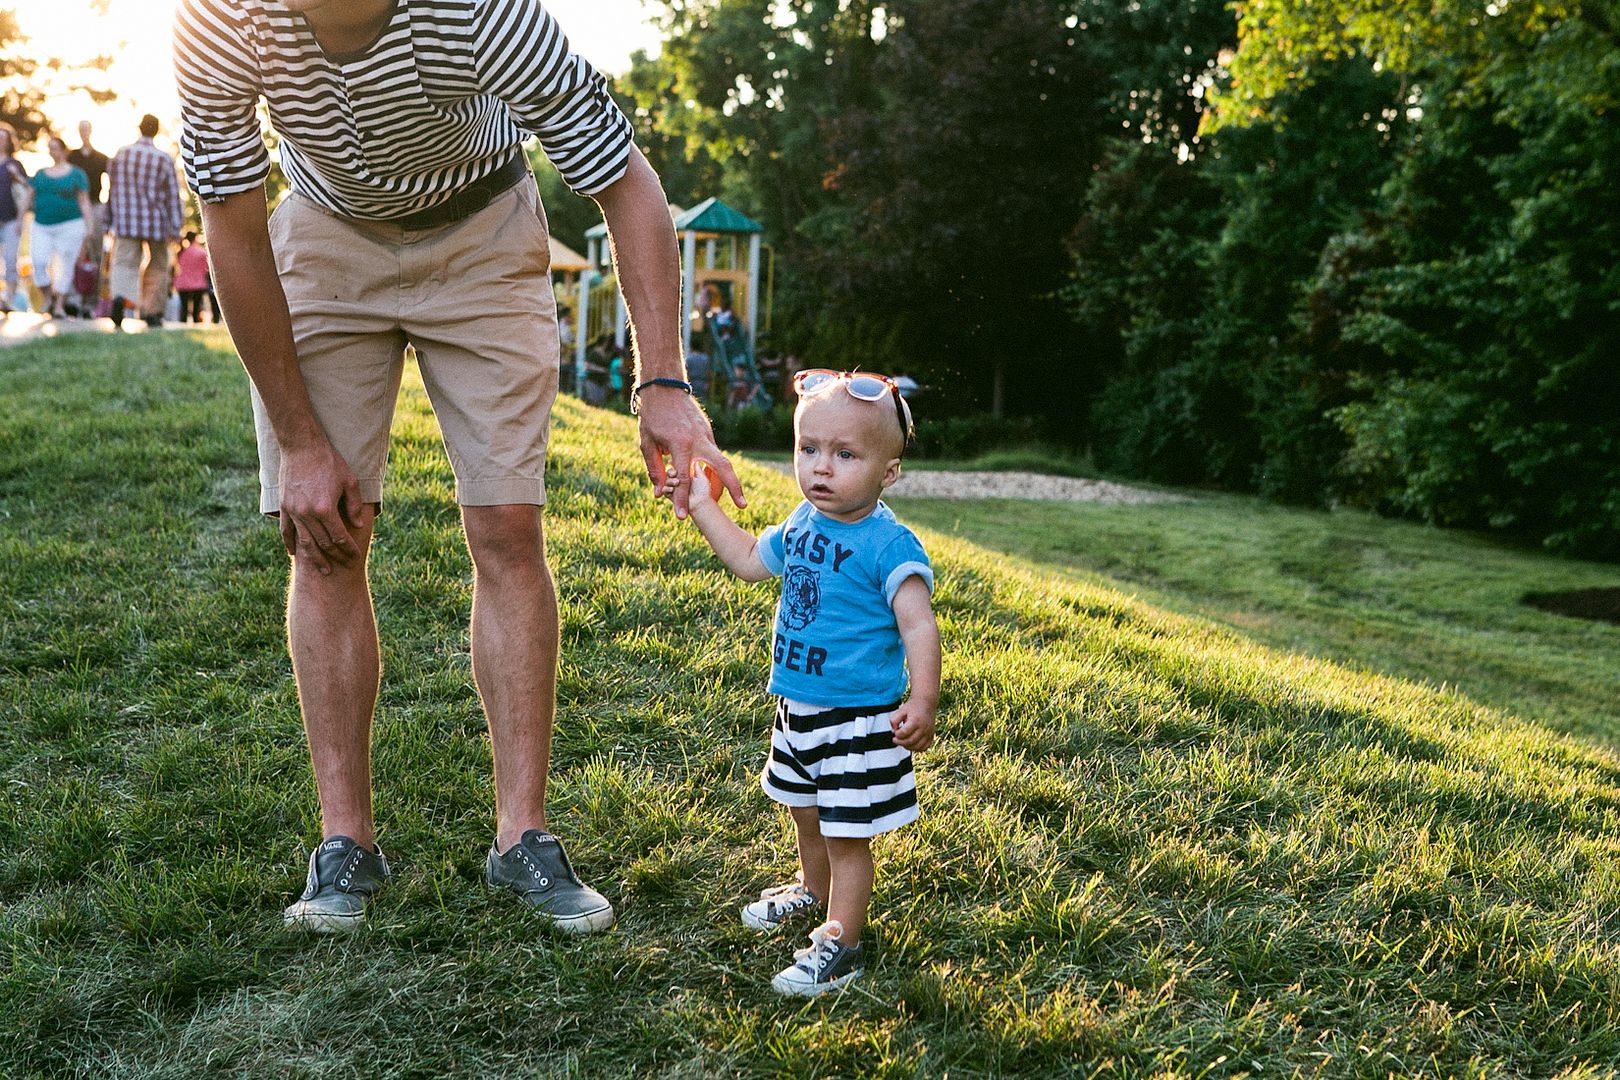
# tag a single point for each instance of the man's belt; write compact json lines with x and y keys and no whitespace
{"x":468,"y":200}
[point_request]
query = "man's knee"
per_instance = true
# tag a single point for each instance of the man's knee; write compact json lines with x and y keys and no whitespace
{"x":505,"y":539}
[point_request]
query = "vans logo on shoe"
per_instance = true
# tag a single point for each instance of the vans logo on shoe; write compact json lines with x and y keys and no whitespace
{"x":332,"y":845}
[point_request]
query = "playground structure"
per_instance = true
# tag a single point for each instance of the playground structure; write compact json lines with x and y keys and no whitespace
{"x":713,"y":254}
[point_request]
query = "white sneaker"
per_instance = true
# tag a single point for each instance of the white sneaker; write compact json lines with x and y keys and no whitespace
{"x":778,"y":905}
{"x":826,"y":965}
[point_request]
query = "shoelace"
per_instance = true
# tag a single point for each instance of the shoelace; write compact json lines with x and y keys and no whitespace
{"x":821,"y":950}
{"x":786,"y":899}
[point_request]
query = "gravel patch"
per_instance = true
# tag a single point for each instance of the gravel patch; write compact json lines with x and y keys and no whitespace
{"x":936,"y":484}
{"x":933,"y":484}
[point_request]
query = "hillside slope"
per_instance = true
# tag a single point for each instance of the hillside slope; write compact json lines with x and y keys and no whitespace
{"x":1149,"y":845}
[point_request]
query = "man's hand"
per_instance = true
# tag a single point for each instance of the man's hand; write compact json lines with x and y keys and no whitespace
{"x":674,"y":431}
{"x":913,"y":725}
{"x":320,"y":504}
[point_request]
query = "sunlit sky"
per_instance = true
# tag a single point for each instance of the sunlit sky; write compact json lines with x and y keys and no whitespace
{"x":135,"y":33}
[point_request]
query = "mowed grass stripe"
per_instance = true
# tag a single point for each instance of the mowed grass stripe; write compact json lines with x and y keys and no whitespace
{"x":1149,"y":844}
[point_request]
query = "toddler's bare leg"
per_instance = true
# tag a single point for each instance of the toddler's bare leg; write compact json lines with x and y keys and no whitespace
{"x":812,"y":851}
{"x":851,"y":862}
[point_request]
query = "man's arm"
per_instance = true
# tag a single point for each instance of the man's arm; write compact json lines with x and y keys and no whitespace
{"x":320,"y":498}
{"x":647,"y":261}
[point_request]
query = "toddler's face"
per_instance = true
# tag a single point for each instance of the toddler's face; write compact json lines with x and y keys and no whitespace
{"x":846,"y":453}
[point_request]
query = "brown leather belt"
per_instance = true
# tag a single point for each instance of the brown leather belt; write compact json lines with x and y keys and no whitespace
{"x":468,"y":200}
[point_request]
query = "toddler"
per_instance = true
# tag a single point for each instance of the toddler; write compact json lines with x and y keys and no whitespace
{"x":854,"y":615}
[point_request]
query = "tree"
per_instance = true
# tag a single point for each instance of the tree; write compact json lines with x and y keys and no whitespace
{"x":20,"y":100}
{"x":956,"y":184}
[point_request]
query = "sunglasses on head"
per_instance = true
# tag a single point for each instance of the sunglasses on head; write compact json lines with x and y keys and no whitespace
{"x":860,"y":385}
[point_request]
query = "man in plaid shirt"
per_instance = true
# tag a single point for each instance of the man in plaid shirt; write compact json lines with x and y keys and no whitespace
{"x":143,"y":198}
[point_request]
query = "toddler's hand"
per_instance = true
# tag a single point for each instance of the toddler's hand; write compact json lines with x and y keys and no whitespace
{"x":913,"y":726}
{"x":706,"y":485}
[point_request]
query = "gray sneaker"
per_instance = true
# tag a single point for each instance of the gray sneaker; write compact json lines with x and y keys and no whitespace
{"x":780,"y":905}
{"x":538,"y":870}
{"x":828,"y":964}
{"x":342,"y":877}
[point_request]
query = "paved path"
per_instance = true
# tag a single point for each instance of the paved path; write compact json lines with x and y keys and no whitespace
{"x":1039,"y":487}
{"x":22,"y":326}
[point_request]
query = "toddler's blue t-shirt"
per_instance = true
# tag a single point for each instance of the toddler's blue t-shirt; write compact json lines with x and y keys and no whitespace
{"x":836,"y":641}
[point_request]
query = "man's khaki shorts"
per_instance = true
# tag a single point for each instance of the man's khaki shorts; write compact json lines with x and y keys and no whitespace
{"x":474,"y":300}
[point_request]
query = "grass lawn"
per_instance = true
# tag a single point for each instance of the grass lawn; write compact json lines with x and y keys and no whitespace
{"x":1396,"y":598}
{"x":1177,"y":823}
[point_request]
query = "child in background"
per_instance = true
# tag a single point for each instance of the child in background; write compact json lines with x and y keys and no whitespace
{"x":855,"y":613}
{"x":191,"y":277}
{"x":741,"y":393}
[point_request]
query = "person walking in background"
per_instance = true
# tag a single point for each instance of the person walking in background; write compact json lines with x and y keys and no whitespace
{"x":94,"y":163}
{"x":191,"y":277}
{"x":13,"y":183}
{"x":61,"y":220}
{"x":144,"y":216}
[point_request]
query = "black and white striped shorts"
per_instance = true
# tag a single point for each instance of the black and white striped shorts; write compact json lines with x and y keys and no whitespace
{"x":844,"y":762}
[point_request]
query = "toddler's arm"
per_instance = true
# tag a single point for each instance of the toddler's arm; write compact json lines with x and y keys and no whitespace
{"x":913,"y":721}
{"x":737,"y":548}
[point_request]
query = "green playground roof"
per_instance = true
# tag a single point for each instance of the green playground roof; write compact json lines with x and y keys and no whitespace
{"x":710,"y":216}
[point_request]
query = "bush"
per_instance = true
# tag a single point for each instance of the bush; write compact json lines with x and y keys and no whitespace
{"x":754,"y":429}
{"x":951,"y":437}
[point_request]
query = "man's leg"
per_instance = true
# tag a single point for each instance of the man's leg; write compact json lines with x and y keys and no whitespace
{"x":332,"y":635}
{"x":125,"y":277}
{"x":514,"y":657}
{"x":154,"y":279}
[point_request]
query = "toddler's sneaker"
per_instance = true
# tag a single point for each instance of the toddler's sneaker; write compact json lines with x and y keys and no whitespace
{"x":826,"y":965}
{"x":538,"y":870}
{"x":342,"y":877}
{"x":778,"y":905}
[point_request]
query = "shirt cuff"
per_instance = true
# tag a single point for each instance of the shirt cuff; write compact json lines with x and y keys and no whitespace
{"x":768,"y":556}
{"x":897,"y":578}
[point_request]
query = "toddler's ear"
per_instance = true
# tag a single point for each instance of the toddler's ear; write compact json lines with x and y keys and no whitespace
{"x":891,"y":473}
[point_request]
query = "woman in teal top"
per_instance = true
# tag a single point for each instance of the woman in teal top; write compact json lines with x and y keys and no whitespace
{"x":61,"y":214}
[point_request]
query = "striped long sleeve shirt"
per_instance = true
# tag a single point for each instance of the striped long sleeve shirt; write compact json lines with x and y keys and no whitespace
{"x":143,"y":193}
{"x":441,"y":98}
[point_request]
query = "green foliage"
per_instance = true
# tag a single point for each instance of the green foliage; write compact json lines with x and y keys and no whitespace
{"x":1495,"y":399}
{"x":971,"y":436}
{"x":1387,"y":278}
{"x":1000,"y":98}
{"x":1286,"y":46}
{"x":837,"y":123}
{"x":1200,"y":269}
{"x":1386,"y":287}
{"x":754,"y":429}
